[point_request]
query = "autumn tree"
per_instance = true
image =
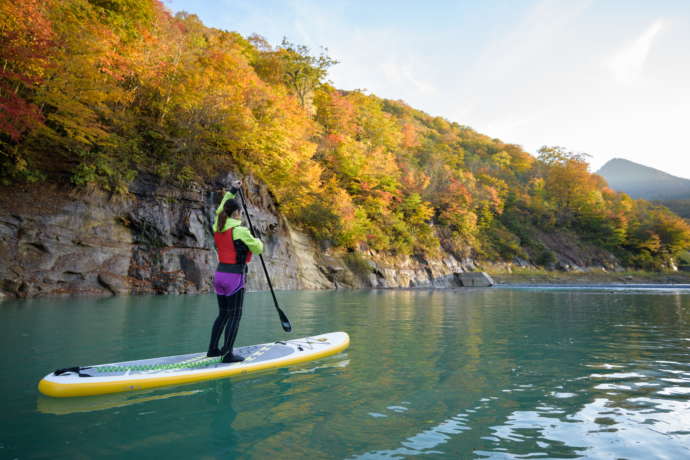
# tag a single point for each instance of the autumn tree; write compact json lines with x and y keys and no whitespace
{"x":303,"y":73}
{"x":568,"y":183}
{"x":26,"y":47}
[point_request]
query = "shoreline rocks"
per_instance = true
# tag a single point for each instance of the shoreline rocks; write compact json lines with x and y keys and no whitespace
{"x":158,"y":240}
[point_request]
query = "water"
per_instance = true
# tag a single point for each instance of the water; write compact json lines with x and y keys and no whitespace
{"x":486,"y":373}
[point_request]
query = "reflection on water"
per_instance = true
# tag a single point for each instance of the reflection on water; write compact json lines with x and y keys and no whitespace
{"x":63,"y":406}
{"x":480,"y":373}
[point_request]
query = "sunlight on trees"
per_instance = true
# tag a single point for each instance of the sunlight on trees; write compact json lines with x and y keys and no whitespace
{"x":96,"y":92}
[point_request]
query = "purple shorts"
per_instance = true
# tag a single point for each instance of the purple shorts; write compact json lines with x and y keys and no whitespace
{"x":228,"y":283}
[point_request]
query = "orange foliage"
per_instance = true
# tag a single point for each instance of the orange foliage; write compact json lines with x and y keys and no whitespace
{"x":26,"y":41}
{"x":125,"y":87}
{"x":409,"y":136}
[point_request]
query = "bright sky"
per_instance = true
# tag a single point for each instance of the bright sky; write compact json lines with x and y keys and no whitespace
{"x":610,"y":78}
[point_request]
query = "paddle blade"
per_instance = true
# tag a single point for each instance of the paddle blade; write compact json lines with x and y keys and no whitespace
{"x":284,"y":321}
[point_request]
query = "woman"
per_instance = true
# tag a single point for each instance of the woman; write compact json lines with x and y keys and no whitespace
{"x":235,"y":245}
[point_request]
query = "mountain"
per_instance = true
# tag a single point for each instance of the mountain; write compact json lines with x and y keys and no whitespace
{"x":641,"y":181}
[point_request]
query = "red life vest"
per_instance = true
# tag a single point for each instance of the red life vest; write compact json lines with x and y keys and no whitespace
{"x":227,"y":250}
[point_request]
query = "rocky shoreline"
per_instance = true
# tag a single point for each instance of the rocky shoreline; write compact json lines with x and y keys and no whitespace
{"x":59,"y":241}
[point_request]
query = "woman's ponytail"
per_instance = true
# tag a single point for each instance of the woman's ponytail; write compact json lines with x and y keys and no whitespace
{"x":222,"y":218}
{"x":229,"y":208}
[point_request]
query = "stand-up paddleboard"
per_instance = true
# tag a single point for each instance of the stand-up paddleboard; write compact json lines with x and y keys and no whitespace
{"x":195,"y":367}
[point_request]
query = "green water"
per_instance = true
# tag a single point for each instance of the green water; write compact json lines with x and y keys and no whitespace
{"x":487,"y":373}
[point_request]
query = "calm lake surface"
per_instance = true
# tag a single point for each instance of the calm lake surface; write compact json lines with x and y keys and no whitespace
{"x":478,"y":373}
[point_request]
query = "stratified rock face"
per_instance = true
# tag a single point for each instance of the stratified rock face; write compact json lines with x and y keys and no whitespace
{"x":52,"y":244}
{"x":414,"y":272}
{"x":476,"y":279}
{"x":158,"y":240}
{"x":155,"y":240}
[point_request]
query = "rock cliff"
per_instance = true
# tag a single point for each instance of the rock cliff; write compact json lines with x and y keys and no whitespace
{"x":157,"y":239}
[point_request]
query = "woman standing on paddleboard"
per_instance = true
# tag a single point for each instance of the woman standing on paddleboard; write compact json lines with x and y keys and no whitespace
{"x":235,"y":245}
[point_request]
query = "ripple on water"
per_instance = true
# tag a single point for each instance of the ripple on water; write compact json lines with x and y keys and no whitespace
{"x":612,"y":425}
{"x":617,"y":376}
{"x":478,"y":374}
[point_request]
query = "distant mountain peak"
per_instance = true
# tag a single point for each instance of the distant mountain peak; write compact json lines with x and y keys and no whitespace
{"x":641,"y":181}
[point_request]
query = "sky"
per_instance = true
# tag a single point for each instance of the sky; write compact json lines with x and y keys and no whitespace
{"x":610,"y":78}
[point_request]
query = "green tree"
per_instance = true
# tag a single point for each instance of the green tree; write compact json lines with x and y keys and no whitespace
{"x":303,"y":73}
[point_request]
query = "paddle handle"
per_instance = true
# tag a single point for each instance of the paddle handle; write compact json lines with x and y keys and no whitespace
{"x":284,"y":321}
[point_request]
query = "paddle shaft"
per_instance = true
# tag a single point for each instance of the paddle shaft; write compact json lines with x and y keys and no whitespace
{"x":285,"y":322}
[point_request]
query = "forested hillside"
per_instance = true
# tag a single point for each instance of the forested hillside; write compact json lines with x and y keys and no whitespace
{"x":94,"y":92}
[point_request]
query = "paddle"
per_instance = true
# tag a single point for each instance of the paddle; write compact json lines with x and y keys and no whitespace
{"x":284,"y":321}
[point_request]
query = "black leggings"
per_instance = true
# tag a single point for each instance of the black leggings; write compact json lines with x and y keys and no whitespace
{"x":229,"y":315}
